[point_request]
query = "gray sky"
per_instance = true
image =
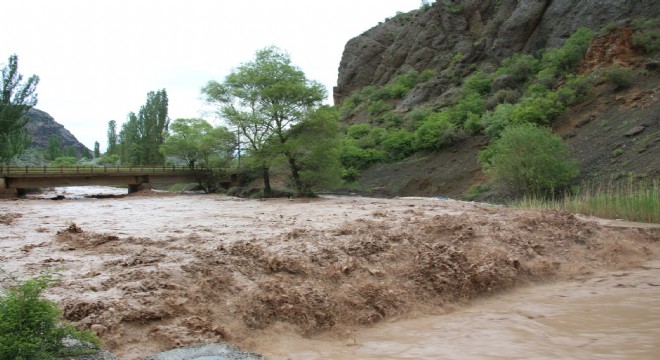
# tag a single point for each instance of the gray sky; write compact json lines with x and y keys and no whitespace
{"x":97,"y":59}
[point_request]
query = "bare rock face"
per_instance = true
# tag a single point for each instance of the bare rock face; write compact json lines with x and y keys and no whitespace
{"x":41,"y":126}
{"x":451,"y":35}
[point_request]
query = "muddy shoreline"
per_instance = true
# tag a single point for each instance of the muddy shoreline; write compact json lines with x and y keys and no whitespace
{"x":158,"y":271}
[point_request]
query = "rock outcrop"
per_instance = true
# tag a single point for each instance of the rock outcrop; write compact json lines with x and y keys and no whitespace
{"x":451,"y":36}
{"x":41,"y":126}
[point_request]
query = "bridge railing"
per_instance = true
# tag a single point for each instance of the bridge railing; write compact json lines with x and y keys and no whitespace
{"x":7,"y":170}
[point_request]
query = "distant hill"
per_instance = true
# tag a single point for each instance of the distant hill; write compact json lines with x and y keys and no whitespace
{"x":41,"y":126}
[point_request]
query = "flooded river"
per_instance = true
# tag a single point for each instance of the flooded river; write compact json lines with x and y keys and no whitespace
{"x":340,"y":277}
{"x":610,"y":316}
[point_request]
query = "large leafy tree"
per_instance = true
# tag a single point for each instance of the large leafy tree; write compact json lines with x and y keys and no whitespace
{"x":263,"y":99}
{"x":197,"y":142}
{"x":16,"y":98}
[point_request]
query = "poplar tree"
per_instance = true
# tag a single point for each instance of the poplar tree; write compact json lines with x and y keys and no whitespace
{"x":16,"y":98}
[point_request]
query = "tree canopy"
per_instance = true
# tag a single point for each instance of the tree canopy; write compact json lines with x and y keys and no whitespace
{"x":196,"y":142}
{"x":264,"y":100}
{"x":16,"y":98}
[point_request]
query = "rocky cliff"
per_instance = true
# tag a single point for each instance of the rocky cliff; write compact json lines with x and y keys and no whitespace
{"x":469,"y":33}
{"x":613,"y":133}
{"x":42,"y":126}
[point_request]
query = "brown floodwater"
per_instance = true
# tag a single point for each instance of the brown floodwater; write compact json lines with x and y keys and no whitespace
{"x":615,"y":315}
{"x":340,"y":277}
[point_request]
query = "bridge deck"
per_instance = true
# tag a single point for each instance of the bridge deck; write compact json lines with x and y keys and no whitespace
{"x":21,"y":177}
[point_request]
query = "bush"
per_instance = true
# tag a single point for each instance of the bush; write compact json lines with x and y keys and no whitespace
{"x":503,"y":96}
{"x":529,"y":159}
{"x":478,"y":83}
{"x":378,"y":107}
{"x":620,"y":76}
{"x":519,"y":67}
{"x":31,"y":327}
{"x":494,"y":122}
{"x":647,"y":34}
{"x":539,"y":110}
{"x":568,"y":57}
{"x":358,"y":131}
{"x":398,"y":145}
{"x":435,"y":132}
{"x":65,"y":160}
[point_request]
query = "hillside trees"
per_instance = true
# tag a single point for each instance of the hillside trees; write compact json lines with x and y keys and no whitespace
{"x":16,"y":98}
{"x":142,"y":135}
{"x":265,"y":99}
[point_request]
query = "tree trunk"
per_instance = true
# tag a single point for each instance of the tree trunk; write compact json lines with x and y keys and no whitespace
{"x":267,"y":189}
{"x":295,"y":175}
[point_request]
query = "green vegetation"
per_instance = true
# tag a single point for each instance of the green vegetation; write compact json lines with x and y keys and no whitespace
{"x":647,"y":34}
{"x":530,"y":159}
{"x":31,"y":327}
{"x":142,"y":135}
{"x":631,"y":200}
{"x":196,"y":143}
{"x":620,"y":76}
{"x":274,"y":107}
{"x":16,"y":98}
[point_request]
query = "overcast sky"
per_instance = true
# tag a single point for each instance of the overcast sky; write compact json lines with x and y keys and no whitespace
{"x":97,"y":60}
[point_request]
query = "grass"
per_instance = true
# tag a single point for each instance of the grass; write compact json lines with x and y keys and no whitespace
{"x":631,"y":200}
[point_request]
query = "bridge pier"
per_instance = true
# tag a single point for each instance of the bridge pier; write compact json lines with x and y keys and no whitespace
{"x":132,"y":188}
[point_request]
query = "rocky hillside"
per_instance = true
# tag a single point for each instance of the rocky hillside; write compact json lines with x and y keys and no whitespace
{"x":42,"y":126}
{"x":613,"y":132}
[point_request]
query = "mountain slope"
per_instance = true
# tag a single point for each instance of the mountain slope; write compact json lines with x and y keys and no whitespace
{"x":613,"y":132}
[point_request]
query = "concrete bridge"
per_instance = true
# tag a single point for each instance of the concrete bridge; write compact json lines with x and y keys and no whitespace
{"x":21,"y":178}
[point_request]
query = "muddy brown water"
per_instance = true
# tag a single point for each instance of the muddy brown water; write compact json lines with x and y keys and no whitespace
{"x":614,"y":315}
{"x":341,"y":277}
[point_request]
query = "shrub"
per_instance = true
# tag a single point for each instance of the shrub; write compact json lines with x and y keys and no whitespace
{"x":31,"y":327}
{"x":620,"y":76}
{"x":647,"y":34}
{"x":417,"y":115}
{"x":519,"y":67}
{"x":580,"y":84}
{"x":435,"y":132}
{"x":494,"y":122}
{"x":398,"y":144}
{"x":378,"y":107}
{"x":478,"y":83}
{"x":529,"y":159}
{"x":358,"y":131}
{"x":503,"y":96}
{"x":537,"y":110}
{"x":568,"y":57}
{"x":65,"y":160}
{"x":471,"y":104}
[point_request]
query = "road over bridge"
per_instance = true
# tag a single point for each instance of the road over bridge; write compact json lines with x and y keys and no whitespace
{"x":26,"y":177}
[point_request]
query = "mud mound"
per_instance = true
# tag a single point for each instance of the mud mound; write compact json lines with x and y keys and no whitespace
{"x":329,"y":280}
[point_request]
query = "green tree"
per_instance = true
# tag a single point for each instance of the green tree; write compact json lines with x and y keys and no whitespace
{"x":112,"y":138}
{"x":195,"y":141}
{"x":97,"y":150}
{"x":152,"y":126}
{"x":263,"y":99}
{"x":529,"y":159}
{"x":54,"y":149}
{"x":312,"y":151}
{"x":142,"y":135}
{"x":16,"y":98}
